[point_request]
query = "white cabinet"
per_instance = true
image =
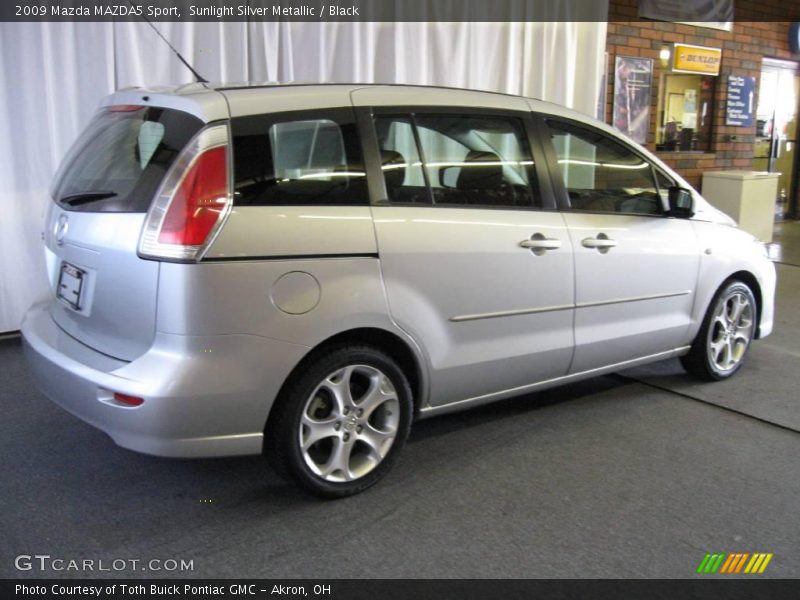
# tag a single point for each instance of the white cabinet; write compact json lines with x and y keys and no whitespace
{"x":747,"y":196}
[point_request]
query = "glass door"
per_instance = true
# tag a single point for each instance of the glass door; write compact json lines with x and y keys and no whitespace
{"x":776,"y":126}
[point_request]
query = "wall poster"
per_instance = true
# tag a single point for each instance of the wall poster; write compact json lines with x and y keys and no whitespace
{"x":632,"y":80}
{"x":739,"y":105}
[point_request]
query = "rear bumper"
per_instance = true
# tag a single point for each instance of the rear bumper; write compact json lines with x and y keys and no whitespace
{"x":204,"y":395}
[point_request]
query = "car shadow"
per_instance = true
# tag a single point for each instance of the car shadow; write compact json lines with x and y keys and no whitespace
{"x":513,"y":407}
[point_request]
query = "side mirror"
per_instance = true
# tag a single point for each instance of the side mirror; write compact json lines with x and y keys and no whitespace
{"x":681,"y":203}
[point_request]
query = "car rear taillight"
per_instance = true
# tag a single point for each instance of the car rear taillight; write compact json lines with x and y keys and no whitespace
{"x":198,"y":202}
{"x":124,"y":107}
{"x":192,"y":202}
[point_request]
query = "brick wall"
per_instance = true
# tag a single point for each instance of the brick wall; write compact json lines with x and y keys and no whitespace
{"x":766,"y":35}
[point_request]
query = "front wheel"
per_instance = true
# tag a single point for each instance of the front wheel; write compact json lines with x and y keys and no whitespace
{"x":729,"y":326}
{"x":341,"y":421}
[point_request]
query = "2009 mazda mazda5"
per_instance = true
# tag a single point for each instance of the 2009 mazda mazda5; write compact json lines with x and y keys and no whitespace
{"x":303,"y":270}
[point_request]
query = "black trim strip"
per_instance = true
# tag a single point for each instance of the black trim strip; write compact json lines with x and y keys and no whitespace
{"x":376,"y":184}
{"x":412,"y":119}
{"x":277,"y":257}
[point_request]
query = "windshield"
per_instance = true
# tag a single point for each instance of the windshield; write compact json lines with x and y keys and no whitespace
{"x":119,"y":160}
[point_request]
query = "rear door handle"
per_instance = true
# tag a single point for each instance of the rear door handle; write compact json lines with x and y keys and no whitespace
{"x":601,"y":243}
{"x":539,"y":244}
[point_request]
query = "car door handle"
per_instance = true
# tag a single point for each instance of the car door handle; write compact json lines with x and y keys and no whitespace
{"x":539,"y":244}
{"x":545,"y":244}
{"x":602,"y":242}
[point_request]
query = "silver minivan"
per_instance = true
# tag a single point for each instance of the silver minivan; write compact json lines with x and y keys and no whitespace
{"x":304,"y":270}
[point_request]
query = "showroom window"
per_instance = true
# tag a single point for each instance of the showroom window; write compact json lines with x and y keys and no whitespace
{"x":467,"y":160}
{"x":603,"y":175}
{"x":685,"y":113}
{"x":305,"y":160}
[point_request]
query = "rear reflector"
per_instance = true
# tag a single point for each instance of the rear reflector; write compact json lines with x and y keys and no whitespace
{"x":128,"y":400}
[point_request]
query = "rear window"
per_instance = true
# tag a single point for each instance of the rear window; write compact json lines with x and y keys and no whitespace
{"x":120,"y":159}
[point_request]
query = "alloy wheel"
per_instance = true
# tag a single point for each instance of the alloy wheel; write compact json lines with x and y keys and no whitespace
{"x":730,"y":331}
{"x":349,"y":423}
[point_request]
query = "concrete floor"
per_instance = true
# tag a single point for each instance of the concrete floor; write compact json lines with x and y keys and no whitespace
{"x":786,"y":243}
{"x":633,"y":475}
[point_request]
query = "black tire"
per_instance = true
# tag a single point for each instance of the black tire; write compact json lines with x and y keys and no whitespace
{"x":364,"y":428}
{"x":704,"y":360}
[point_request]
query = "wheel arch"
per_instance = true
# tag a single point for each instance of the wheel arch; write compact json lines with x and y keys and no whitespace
{"x":699,"y":360}
{"x":747,"y":278}
{"x":391,"y":343}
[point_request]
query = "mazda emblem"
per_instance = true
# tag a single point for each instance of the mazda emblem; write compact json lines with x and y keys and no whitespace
{"x":61,"y":229}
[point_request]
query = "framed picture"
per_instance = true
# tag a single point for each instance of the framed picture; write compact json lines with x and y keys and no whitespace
{"x":632,"y":80}
{"x":674,"y":112}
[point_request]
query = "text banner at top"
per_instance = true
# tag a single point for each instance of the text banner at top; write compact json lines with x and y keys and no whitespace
{"x":356,"y":10}
{"x":308,"y":10}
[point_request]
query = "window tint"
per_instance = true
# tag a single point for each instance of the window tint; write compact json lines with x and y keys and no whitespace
{"x":293,"y":159}
{"x":601,"y":174}
{"x":664,"y":183}
{"x":119,"y":160}
{"x":480,"y":161}
{"x":400,"y":162}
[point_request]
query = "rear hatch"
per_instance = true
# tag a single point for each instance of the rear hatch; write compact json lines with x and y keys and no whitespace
{"x":105,"y":295}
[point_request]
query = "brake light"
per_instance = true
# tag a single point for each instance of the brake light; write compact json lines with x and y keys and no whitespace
{"x":124,"y":107}
{"x":198,"y":202}
{"x":128,"y":400}
{"x":192,"y":202}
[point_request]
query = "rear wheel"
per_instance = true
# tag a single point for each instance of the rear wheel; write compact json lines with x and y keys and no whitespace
{"x":729,"y":326}
{"x":341,"y":422}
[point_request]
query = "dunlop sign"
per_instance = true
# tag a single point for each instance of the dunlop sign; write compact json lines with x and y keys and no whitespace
{"x":696,"y":59}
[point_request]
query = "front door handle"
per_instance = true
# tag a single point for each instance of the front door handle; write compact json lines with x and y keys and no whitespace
{"x":602,"y":243}
{"x":539,"y":244}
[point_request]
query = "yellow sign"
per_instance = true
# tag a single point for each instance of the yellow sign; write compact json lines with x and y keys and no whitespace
{"x":696,"y":59}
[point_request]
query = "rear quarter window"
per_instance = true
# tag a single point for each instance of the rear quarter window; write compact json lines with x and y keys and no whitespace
{"x":120,"y":159}
{"x":308,"y":158}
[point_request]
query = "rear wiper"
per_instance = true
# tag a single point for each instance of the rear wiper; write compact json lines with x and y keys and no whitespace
{"x":86,"y":197}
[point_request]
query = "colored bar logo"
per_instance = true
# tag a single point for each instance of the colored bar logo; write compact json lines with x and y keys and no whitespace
{"x":735,"y":562}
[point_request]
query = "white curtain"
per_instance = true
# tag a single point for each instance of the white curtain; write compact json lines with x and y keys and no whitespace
{"x":53,"y":75}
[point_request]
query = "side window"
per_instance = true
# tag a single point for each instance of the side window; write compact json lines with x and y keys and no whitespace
{"x":467,"y":160}
{"x":400,"y":162}
{"x":297,"y":159}
{"x":664,"y":183}
{"x":601,"y":174}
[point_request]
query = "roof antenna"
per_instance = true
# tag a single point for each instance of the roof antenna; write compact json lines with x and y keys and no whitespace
{"x":197,"y":75}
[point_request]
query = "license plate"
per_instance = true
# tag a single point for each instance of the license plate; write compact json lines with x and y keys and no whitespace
{"x":70,"y":283}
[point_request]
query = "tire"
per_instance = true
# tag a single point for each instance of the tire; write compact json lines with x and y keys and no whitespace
{"x":341,"y":421}
{"x":721,"y":345}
